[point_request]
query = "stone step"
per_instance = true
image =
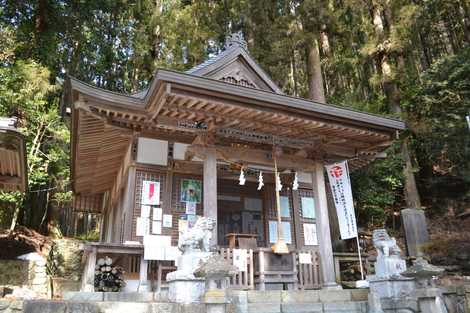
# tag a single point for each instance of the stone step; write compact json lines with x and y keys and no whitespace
{"x":304,"y":307}
{"x":71,"y":306}
{"x":50,"y":306}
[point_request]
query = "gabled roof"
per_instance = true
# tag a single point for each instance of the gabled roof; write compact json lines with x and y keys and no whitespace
{"x":236,"y":63}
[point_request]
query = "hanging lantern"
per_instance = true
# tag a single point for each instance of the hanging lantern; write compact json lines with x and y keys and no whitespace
{"x":242,"y":178}
{"x":260,"y":180}
{"x":278,"y":183}
{"x":295,"y":184}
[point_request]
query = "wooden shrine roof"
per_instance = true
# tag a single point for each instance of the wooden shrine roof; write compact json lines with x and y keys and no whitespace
{"x":13,"y":169}
{"x":228,"y":102}
{"x":180,"y":106}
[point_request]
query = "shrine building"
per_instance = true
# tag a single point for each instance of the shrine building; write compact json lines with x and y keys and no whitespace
{"x":197,"y":143}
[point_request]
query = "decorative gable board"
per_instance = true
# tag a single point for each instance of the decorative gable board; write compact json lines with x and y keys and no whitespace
{"x":236,"y":66}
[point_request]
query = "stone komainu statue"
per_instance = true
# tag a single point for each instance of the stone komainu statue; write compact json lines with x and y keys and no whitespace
{"x":198,"y":237}
{"x":385,"y":245}
{"x":389,"y":261}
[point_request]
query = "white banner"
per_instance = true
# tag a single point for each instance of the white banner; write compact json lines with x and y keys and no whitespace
{"x":342,"y":195}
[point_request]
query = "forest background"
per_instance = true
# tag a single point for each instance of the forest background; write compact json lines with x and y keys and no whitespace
{"x":400,"y":58}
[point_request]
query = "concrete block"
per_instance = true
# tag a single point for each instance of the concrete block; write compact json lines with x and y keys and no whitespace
{"x":128,"y":296}
{"x":161,"y":296}
{"x":327,"y":296}
{"x":345,"y":307}
{"x":300,"y":296}
{"x":302,"y":307}
{"x":163,"y":307}
{"x":44,"y":306}
{"x":83,"y":296}
{"x":359,"y":294}
{"x":16,"y":305}
{"x":83,"y":307}
{"x":264,"y":307}
{"x":4,"y":304}
{"x":271,"y":296}
{"x":124,"y":307}
{"x":239,"y":300}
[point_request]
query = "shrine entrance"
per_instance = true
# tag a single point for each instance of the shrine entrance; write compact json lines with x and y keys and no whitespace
{"x":240,"y":215}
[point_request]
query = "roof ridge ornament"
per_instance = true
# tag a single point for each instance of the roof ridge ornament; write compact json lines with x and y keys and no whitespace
{"x":235,"y":39}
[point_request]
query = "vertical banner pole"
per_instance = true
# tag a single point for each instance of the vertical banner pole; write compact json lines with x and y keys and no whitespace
{"x":360,"y":258}
{"x":357,"y":232}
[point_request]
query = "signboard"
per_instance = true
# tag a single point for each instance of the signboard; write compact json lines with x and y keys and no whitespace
{"x":240,"y":259}
{"x":142,"y":226}
{"x":342,"y":195}
{"x":305,"y":258}
{"x":310,"y":234}
{"x":167,"y":220}
{"x":150,"y":192}
{"x":157,"y":214}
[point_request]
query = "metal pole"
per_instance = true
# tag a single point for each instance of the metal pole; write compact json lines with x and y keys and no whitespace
{"x":360,"y":259}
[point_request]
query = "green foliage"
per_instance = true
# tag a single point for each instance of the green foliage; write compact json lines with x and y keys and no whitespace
{"x":118,"y":45}
{"x":437,"y":108}
{"x":378,"y":188}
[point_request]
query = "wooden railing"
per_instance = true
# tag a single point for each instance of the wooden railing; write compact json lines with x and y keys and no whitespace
{"x":244,"y":280}
{"x":261,"y":272}
{"x":309,"y":274}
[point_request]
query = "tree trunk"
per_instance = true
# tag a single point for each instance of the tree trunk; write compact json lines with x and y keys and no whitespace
{"x":315,"y":79}
{"x":392,"y":92}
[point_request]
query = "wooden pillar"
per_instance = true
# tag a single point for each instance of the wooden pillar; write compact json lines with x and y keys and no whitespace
{"x":323,"y":228}
{"x":210,"y":190}
{"x":129,"y":202}
{"x":262,"y":285}
{"x":88,"y":279}
{"x":143,"y":281}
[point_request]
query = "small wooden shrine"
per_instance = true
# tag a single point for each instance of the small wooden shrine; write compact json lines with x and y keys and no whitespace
{"x":196,"y":143}
{"x":13,"y":169}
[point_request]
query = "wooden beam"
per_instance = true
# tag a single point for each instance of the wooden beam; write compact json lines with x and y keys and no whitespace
{"x":254,"y":156}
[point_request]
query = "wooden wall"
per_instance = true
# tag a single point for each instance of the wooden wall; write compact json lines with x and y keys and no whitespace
{"x":170,"y":184}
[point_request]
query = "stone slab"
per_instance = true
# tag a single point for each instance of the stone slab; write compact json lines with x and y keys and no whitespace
{"x":327,"y":296}
{"x":44,"y":306}
{"x":83,"y":296}
{"x":359,"y":294}
{"x":124,"y":307}
{"x":269,"y":296}
{"x":416,"y":232}
{"x":345,"y":307}
{"x":302,"y":307}
{"x":265,"y":307}
{"x":388,"y":288}
{"x":300,"y":296}
{"x":128,"y":296}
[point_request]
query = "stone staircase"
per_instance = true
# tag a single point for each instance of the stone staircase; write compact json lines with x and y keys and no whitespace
{"x":273,"y":301}
{"x":308,"y":301}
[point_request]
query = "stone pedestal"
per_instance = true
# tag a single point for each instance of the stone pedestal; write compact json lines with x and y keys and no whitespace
{"x":184,"y":287}
{"x":431,"y":300}
{"x":398,"y":287}
{"x":387,"y":266}
{"x":186,"y":291}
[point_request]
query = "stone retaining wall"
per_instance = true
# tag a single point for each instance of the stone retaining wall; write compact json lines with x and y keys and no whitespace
{"x":11,"y":306}
{"x":27,"y":274}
